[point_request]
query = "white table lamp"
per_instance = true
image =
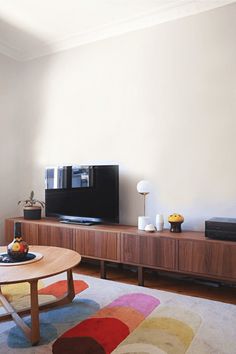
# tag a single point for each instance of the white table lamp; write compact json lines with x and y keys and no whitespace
{"x":143,"y":187}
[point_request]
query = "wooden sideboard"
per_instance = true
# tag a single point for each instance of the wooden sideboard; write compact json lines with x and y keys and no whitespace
{"x":188,"y":253}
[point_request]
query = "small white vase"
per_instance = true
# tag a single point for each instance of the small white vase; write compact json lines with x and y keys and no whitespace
{"x":159,"y":222}
{"x":143,"y":221}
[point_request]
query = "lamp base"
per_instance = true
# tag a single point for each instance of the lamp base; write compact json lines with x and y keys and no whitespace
{"x":143,"y":221}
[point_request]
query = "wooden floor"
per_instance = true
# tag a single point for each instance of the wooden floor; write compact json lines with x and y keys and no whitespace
{"x":183,"y":285}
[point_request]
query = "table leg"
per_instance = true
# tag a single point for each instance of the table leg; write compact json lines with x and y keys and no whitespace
{"x":33,"y":333}
{"x":35,"y":329}
{"x":70,"y":285}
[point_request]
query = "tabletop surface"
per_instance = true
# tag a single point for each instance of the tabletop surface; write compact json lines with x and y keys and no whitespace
{"x":55,"y":260}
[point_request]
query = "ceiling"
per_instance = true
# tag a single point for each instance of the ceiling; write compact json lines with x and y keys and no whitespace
{"x":33,"y":28}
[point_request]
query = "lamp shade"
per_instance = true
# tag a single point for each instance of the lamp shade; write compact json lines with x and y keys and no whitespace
{"x":143,"y":187}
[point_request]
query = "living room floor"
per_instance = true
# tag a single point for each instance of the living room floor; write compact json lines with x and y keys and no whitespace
{"x":178,"y":284}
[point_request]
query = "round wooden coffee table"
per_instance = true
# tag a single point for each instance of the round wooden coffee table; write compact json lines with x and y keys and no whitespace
{"x":55,"y":260}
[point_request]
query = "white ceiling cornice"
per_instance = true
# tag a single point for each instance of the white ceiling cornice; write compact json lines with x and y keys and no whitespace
{"x":10,"y":52}
{"x":168,"y":12}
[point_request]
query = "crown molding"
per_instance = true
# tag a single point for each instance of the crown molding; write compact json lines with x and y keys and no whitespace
{"x":10,"y":52}
{"x":166,"y":13}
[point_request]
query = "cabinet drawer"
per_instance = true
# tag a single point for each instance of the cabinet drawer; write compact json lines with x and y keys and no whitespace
{"x":79,"y":241}
{"x":29,"y":232}
{"x":158,"y":252}
{"x":149,"y":251}
{"x":208,"y":258}
{"x":55,"y":236}
{"x":100,"y":244}
{"x":130,"y":249}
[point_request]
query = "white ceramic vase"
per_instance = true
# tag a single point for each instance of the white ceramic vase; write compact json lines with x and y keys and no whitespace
{"x":159,"y":222}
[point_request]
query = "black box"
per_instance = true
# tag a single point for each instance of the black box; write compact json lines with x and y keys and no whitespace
{"x":221,"y":228}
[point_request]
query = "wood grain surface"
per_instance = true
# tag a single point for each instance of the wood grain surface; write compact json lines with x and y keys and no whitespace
{"x":55,"y":260}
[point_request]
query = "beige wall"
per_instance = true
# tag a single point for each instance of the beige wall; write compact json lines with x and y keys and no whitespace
{"x":159,"y":102}
{"x":10,"y":139}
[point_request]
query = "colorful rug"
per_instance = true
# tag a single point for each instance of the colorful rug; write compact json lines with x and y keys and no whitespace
{"x":110,"y":317}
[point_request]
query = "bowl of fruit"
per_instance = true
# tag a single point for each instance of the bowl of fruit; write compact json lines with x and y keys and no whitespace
{"x":18,"y":249}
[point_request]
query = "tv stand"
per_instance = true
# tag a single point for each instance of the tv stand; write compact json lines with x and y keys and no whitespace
{"x":79,"y":222}
{"x":188,"y":252}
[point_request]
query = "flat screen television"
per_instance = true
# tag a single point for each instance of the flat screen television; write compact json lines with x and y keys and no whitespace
{"x":83,"y":194}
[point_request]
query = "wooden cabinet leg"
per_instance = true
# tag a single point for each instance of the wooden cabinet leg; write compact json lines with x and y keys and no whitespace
{"x":103,"y":269}
{"x":120,"y":266}
{"x":140,"y":276}
{"x":35,"y":329}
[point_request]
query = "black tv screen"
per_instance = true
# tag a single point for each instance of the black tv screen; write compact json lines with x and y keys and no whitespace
{"x":83,"y":193}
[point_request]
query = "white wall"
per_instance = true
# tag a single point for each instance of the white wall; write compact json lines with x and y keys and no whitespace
{"x":160,"y":102}
{"x":10,"y":139}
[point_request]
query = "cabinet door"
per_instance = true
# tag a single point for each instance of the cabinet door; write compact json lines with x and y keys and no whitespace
{"x":157,"y":252}
{"x":9,"y":231}
{"x":208,"y":258}
{"x":100,"y":244}
{"x":29,"y":232}
{"x":149,"y":251}
{"x":79,"y":242}
{"x":56,"y":236}
{"x":130,"y":249}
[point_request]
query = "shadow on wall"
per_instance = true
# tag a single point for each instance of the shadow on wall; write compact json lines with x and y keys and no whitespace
{"x":22,"y":100}
{"x":131,"y":203}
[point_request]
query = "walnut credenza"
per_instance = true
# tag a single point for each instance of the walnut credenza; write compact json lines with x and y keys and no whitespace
{"x":188,"y":253}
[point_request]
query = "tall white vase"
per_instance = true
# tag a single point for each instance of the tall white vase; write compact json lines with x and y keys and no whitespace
{"x":159,"y":222}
